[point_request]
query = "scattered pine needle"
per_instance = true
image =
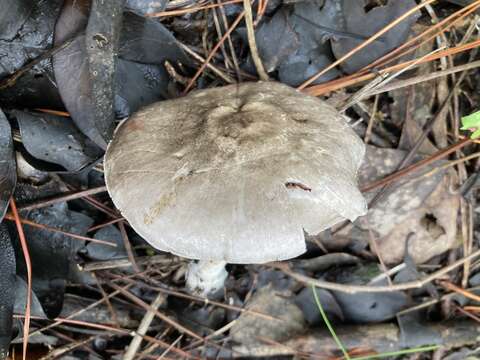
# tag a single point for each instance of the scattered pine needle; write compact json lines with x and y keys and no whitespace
{"x":53,"y":112}
{"x":28,"y":263}
{"x":365,"y":43}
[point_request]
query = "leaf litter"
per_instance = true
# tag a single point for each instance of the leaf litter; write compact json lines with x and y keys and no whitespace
{"x":107,"y":60}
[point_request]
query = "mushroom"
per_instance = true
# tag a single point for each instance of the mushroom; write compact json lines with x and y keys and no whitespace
{"x":234,"y":174}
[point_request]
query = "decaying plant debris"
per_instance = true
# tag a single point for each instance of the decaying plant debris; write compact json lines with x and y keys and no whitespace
{"x":403,"y":276}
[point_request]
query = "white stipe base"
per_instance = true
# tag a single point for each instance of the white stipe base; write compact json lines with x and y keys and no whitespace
{"x":206,"y":277}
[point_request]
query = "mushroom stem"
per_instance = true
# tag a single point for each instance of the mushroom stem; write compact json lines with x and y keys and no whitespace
{"x":206,"y":277}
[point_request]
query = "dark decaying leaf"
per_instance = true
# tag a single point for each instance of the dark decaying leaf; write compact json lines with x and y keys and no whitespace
{"x":250,"y":329}
{"x":276,"y":40}
{"x":100,"y":252}
{"x":295,"y":40}
{"x":8,"y":174}
{"x":357,"y":20}
{"x":364,"y":307}
{"x":315,"y":22}
{"x":85,"y":70}
{"x":414,"y":330}
{"x":32,"y":34}
{"x":306,"y":301}
{"x":138,"y":85}
{"x":201,"y":320}
{"x":370,"y":307}
{"x":56,"y":140}
{"x":147,"y":41}
{"x":145,"y":7}
{"x":424,"y":206}
{"x":301,"y":67}
{"x":93,"y":83}
{"x":26,"y":29}
{"x":7,"y":289}
{"x":52,"y":254}
{"x":21,"y":289}
{"x":12,"y":17}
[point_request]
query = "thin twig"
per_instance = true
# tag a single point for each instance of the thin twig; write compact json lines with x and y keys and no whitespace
{"x":78,"y":312}
{"x":230,"y":44}
{"x":167,"y":350}
{"x":380,"y":81}
{"x":212,"y":67}
{"x":125,"y":262}
{"x":106,"y":300}
{"x":11,"y":217}
{"x":449,"y":286}
{"x":213,"y":51}
{"x":368,"y":132}
{"x":11,"y":80}
{"x":252,"y":42}
{"x":192,"y":9}
{"x":352,"y":289}
{"x":111,"y":329}
{"x":206,"y":301}
{"x":64,"y":198}
{"x":143,"y":328}
{"x":128,"y":247}
{"x":102,"y":225}
{"x":66,"y":348}
{"x":426,"y":77}
{"x":135,"y":299}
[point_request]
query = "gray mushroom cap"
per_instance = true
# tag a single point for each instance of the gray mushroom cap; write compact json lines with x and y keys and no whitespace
{"x":235,"y":173}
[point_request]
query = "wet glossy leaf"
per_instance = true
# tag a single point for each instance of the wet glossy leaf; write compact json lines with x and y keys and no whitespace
{"x":97,"y":251}
{"x":13,"y":16}
{"x":306,"y":302}
{"x":56,"y":140}
{"x":370,"y":307}
{"x":357,"y":20}
{"x":7,"y":289}
{"x":146,"y":6}
{"x":85,"y":70}
{"x":26,"y":29}
{"x":295,"y":40}
{"x":276,"y":41}
{"x":147,"y":41}
{"x":52,"y":254}
{"x":8,"y":174}
{"x":138,"y":85}
{"x":21,"y":289}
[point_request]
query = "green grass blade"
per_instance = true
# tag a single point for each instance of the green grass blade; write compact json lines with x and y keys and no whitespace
{"x":329,"y":326}
{"x":369,"y":357}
